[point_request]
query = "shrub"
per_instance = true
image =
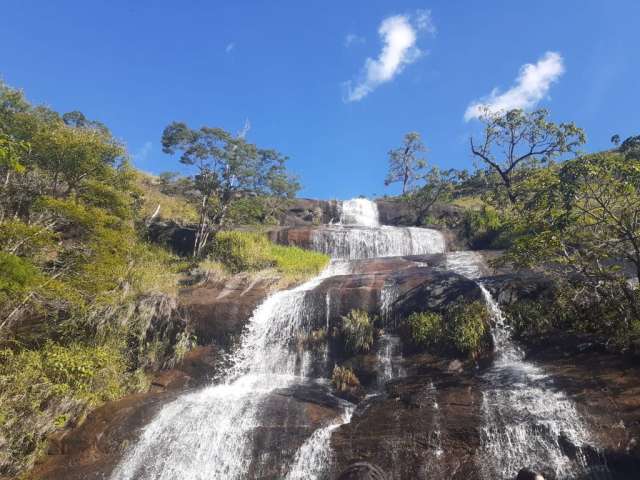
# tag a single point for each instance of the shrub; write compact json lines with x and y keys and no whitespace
{"x":463,"y":329}
{"x":344,"y":379}
{"x":40,"y":390}
{"x":357,"y":331}
{"x":485,"y":228}
{"x":467,"y":327}
{"x":315,"y":339}
{"x":425,"y":329}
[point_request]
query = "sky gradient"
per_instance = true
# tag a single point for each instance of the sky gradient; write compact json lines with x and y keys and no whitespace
{"x":333,"y":85}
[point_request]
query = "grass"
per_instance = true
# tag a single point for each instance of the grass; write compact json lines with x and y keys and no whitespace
{"x":172,"y":207}
{"x":241,"y":251}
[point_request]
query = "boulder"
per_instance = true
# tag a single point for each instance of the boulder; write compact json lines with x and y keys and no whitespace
{"x":526,"y":474}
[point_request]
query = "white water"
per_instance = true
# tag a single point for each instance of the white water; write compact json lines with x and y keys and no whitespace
{"x":314,"y":457}
{"x":206,"y":434}
{"x":359,"y":211}
{"x":524,"y":417}
{"x":390,"y":358}
{"x":352,"y":242}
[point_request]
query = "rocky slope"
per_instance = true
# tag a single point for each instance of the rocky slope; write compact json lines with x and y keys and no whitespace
{"x":427,"y":423}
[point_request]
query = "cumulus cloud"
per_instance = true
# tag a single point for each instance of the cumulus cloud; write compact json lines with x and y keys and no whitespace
{"x":399,"y":34}
{"x":229,"y":47}
{"x":532,"y":85}
{"x":352,"y":38}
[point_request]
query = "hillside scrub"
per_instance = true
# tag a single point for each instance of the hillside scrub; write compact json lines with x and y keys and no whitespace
{"x":87,"y":306}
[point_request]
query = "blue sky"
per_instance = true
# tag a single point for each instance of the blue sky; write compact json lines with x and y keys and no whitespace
{"x":298,"y":71}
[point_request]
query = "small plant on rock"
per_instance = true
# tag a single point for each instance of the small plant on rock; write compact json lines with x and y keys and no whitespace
{"x":357,"y":331}
{"x":467,"y":325}
{"x":344,"y":379}
{"x":425,"y":329}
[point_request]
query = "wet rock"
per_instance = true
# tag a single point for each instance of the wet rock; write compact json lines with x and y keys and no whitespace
{"x":363,"y":471}
{"x":526,"y":474}
{"x":219,"y":309}
{"x":425,"y":426}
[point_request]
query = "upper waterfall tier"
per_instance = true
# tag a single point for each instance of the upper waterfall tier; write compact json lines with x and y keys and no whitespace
{"x":359,"y":211}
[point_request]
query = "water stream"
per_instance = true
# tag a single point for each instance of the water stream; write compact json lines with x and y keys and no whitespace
{"x":207,"y":434}
{"x":527,"y":422}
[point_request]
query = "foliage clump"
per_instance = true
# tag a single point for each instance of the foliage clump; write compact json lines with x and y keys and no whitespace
{"x":343,"y":379}
{"x":426,"y":329}
{"x":42,"y":389}
{"x":357,"y":332}
{"x":463,"y":329}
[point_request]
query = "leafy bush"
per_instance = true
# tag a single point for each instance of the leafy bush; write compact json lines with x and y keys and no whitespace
{"x":41,"y":389}
{"x":343,"y":379}
{"x":485,"y":228}
{"x":249,"y":251}
{"x":467,"y":327}
{"x":357,"y":331}
{"x":463,"y":329}
{"x":425,"y":329}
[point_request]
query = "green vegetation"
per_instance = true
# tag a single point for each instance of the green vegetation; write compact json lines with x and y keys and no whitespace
{"x":230,"y":171}
{"x":343,"y":379}
{"x":73,"y":268}
{"x":357,"y":332}
{"x":67,"y":379}
{"x":251,"y":251}
{"x":88,"y":306}
{"x":463,"y":329}
{"x":426,"y":329}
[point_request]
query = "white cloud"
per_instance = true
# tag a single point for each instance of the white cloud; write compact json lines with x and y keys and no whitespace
{"x":143,"y":152}
{"x":399,"y":34}
{"x":532,"y":85}
{"x":229,"y":47}
{"x":352,"y":39}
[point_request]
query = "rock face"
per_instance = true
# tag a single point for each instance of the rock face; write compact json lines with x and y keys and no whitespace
{"x":219,"y":309}
{"x":426,"y":424}
{"x":362,"y":471}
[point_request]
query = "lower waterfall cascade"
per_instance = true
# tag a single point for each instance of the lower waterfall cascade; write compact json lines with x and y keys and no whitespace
{"x":207,"y":433}
{"x":525,"y":418}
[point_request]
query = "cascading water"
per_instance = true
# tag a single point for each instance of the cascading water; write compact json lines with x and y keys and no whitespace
{"x":352,"y":242}
{"x":207,"y":434}
{"x":526,"y":422}
{"x":359,"y":211}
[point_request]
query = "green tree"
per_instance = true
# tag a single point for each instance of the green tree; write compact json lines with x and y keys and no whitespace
{"x":438,"y":187}
{"x":228,"y":168}
{"x":405,"y":164}
{"x":515,"y":141}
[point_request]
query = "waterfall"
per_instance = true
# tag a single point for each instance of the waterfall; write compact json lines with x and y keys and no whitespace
{"x":389,"y":358}
{"x":206,"y":434}
{"x":314,"y":457}
{"x":359,"y":211}
{"x":357,"y":242}
{"x":526,"y":422}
